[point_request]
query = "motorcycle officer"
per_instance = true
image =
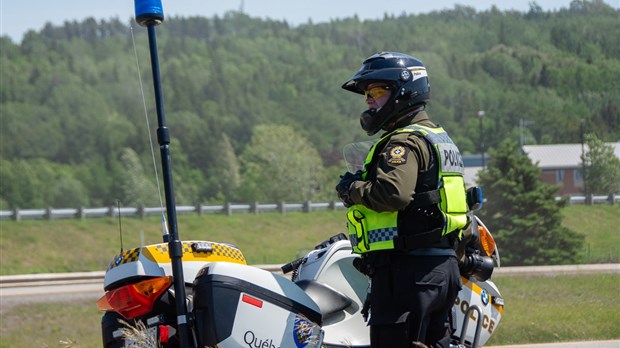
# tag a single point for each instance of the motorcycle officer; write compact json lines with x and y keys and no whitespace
{"x":406,"y":208}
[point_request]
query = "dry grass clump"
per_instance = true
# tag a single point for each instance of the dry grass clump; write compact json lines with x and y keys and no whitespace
{"x":64,"y":343}
{"x":138,"y":334}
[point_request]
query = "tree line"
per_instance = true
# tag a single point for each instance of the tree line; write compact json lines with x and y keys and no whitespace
{"x":255,"y":107}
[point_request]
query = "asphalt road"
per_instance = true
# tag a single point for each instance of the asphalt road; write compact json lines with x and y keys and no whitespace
{"x":56,"y":286}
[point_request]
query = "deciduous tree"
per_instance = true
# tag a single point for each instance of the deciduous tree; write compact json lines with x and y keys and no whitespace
{"x":279,"y":165}
{"x":602,"y":167}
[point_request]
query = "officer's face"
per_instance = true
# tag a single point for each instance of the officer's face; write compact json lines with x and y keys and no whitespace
{"x":377,"y":94}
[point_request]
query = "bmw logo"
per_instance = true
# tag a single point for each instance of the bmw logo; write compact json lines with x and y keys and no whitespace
{"x":405,"y":75}
{"x":484,"y":296}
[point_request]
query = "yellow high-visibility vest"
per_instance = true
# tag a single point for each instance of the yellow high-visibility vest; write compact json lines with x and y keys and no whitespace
{"x":370,"y":230}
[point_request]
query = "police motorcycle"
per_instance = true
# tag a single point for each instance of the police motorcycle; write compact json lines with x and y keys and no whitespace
{"x":232,"y":304}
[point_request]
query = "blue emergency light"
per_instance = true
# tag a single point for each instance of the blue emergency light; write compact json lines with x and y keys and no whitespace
{"x":149,"y":12}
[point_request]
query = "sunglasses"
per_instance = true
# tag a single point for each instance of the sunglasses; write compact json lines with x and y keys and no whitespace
{"x":377,"y":92}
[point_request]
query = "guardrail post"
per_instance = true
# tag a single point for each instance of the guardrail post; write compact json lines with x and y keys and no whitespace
{"x":254,"y":208}
{"x":16,"y":215}
{"x":332,"y":205}
{"x":611,"y":198}
{"x":81,"y":214}
{"x":589,"y":199}
{"x":111,"y":211}
{"x":307,"y":207}
{"x":228,"y":208}
{"x":282,"y":208}
{"x":48,"y":213}
{"x":141,"y":212}
{"x":199,"y":209}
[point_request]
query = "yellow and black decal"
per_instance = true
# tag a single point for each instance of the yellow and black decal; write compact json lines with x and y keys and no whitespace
{"x":192,"y":251}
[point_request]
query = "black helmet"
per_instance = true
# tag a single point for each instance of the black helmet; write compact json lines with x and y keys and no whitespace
{"x":406,"y":75}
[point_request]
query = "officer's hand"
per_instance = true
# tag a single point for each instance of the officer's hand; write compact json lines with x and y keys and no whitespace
{"x":344,"y":185}
{"x":362,"y":266}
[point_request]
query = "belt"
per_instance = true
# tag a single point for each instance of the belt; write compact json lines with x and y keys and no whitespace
{"x":432,"y":252}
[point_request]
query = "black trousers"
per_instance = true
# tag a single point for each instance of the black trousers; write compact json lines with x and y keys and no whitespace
{"x":411,"y":301}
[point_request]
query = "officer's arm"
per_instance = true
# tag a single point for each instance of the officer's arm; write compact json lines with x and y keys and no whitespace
{"x":397,"y":172}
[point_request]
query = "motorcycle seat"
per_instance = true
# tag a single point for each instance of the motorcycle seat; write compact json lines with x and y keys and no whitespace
{"x":329,"y":300}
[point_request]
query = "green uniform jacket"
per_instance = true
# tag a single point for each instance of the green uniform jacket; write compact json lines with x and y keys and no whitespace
{"x":389,"y":186}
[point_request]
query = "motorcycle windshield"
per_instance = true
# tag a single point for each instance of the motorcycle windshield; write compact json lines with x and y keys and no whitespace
{"x":355,"y":154}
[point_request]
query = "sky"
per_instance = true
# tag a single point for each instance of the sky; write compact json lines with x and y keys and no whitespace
{"x":19,"y":16}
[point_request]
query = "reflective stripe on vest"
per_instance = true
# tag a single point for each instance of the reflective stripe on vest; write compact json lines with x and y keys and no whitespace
{"x":372,"y":231}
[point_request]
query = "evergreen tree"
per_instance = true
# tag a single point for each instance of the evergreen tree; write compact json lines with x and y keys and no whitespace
{"x":523,"y":213}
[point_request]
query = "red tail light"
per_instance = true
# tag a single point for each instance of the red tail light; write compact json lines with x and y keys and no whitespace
{"x":134,"y":300}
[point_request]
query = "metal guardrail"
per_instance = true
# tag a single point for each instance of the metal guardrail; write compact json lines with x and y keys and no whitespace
{"x":228,"y":209}
{"x":142,"y":212}
{"x":611,"y":198}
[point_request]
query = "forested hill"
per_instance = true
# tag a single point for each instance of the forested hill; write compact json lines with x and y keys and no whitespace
{"x":73,"y":126}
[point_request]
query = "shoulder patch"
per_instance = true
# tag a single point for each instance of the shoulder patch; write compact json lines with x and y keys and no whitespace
{"x":397,"y":155}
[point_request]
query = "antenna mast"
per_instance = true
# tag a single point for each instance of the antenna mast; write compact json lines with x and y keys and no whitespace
{"x":149,"y":14}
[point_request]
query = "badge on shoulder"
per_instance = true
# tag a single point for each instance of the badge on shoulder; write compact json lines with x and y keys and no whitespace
{"x":397,"y":155}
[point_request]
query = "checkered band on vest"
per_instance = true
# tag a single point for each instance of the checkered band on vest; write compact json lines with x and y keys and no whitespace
{"x":382,"y":234}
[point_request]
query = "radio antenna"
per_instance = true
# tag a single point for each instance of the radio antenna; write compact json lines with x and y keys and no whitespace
{"x":120,"y":225}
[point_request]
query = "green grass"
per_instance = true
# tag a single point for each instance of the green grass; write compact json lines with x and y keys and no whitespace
{"x":41,"y":246}
{"x":538,"y":309}
{"x":601,"y":226}
{"x":51,"y":324}
{"x":559,"y":308}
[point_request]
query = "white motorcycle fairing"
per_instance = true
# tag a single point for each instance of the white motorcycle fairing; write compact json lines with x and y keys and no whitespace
{"x":332,"y":265}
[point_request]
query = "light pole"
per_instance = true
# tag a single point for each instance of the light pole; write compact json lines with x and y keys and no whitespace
{"x":522,"y":124}
{"x":480,"y":116}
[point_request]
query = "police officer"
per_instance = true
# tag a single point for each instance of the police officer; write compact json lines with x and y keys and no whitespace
{"x":406,"y":208}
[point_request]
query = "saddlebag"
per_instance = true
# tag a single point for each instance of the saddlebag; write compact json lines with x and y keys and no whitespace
{"x":237,"y":305}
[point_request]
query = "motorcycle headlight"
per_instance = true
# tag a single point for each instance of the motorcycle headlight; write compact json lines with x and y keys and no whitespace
{"x":477,"y":266}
